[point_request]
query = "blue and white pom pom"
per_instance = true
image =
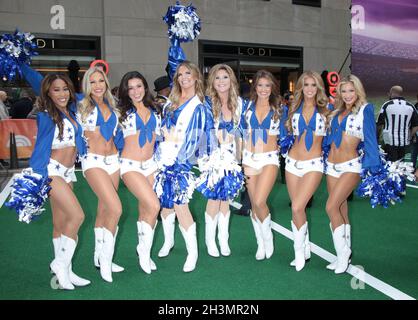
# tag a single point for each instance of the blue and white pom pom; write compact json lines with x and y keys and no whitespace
{"x":29,"y":193}
{"x":15,"y":49}
{"x":174,"y":185}
{"x":286,"y":143}
{"x":183,"y":22}
{"x":227,"y":188}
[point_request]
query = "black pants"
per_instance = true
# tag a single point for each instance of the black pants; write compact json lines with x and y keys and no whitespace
{"x":394,"y":153}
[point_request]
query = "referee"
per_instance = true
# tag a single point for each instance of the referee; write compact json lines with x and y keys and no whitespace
{"x":399,"y":121}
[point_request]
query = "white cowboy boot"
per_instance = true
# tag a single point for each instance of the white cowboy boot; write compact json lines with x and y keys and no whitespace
{"x":333,"y":264}
{"x":98,"y":244}
{"x":307,"y":247}
{"x":261,"y":253}
{"x":299,"y":244}
{"x":75,"y":279}
{"x":106,"y":255}
{"x":210,"y":233}
{"x":267,"y":234}
{"x":168,"y":227}
{"x":223,"y":233}
{"x":145,"y":239}
{"x":191,"y":245}
{"x":60,"y":266}
{"x":342,"y":249}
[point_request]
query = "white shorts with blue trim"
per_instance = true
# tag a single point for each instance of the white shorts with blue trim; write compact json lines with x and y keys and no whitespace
{"x":55,"y":168}
{"x":301,"y":167}
{"x":110,"y":164}
{"x":145,"y":168}
{"x":337,"y":169}
{"x":259,"y":160}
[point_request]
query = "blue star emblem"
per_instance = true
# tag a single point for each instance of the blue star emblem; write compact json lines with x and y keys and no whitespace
{"x":57,"y":167}
{"x":70,"y":138}
{"x":90,"y":121}
{"x":358,"y":128}
{"x":95,"y":157}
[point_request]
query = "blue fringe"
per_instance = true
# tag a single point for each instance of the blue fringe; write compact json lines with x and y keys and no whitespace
{"x":174,"y":185}
{"x":15,"y":49}
{"x":28,"y":195}
{"x":226,"y":189}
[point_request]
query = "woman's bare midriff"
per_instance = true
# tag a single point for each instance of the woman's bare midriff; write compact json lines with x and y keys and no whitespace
{"x":299,"y":151}
{"x":260,"y":146}
{"x":346,"y":151}
{"x":133,"y":151}
{"x":98,"y":145}
{"x":65,"y":156}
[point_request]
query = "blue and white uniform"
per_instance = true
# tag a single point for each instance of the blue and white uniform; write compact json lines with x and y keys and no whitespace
{"x":108,"y":130}
{"x":130,"y":126}
{"x":316,"y":126}
{"x":221,"y":176}
{"x":183,"y":142}
{"x":48,"y":139}
{"x":255,"y":131}
{"x":360,"y":125}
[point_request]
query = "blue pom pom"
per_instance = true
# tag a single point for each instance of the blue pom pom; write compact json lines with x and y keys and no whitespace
{"x":183,"y":22}
{"x":29,"y":193}
{"x":15,"y":49}
{"x":286,"y":143}
{"x":227,"y":188}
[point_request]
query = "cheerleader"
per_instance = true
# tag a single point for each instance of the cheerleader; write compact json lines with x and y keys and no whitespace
{"x":352,"y":128}
{"x":183,"y":131}
{"x":58,"y":141}
{"x":140,"y":127}
{"x":305,"y":123}
{"x":260,"y":156}
{"x":221,"y":178}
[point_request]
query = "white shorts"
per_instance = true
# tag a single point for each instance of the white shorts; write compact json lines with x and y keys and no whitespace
{"x":110,"y":164}
{"x":337,"y":169}
{"x":57,"y":169}
{"x":301,"y":167}
{"x":259,"y":160}
{"x":145,"y":168}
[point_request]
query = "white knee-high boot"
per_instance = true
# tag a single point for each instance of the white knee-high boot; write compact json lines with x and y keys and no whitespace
{"x":261,"y":253}
{"x":342,"y":249}
{"x":299,"y":244}
{"x":223,"y":233}
{"x":333,"y":264}
{"x":60,"y":266}
{"x":106,"y":255}
{"x":145,"y":240}
{"x":168,"y":227}
{"x":98,"y":245}
{"x":210,"y":234}
{"x":265,"y":227}
{"x":75,"y":279}
{"x":307,"y":247}
{"x":191,"y":245}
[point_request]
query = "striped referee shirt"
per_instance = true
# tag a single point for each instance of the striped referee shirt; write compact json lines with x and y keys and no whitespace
{"x":397,"y":116}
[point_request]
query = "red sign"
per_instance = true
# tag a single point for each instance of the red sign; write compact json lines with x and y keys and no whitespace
{"x":25,"y":133}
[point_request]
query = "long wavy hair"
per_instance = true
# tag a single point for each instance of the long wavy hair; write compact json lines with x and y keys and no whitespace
{"x":87,"y":104}
{"x":358,"y":88}
{"x":274,"y":99}
{"x":125,"y":102}
{"x":321,"y":99}
{"x":45,"y":103}
{"x":232,"y":94}
{"x":176,"y":90}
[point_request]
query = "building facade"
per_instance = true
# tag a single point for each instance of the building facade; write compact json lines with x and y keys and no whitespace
{"x":279,"y":35}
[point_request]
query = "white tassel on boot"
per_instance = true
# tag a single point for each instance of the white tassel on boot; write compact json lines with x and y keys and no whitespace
{"x":342,"y":249}
{"x":299,"y":244}
{"x":223,"y":233}
{"x":98,"y":245}
{"x":191,"y":245}
{"x":261,"y":253}
{"x":333,"y":264}
{"x":106,"y":255}
{"x":210,"y":234}
{"x":265,"y":228}
{"x":75,"y":279}
{"x":145,"y":240}
{"x":60,"y":266}
{"x":307,"y":247}
{"x":168,"y":227}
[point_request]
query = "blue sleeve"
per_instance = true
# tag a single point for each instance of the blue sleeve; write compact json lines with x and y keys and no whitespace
{"x":371,"y":149}
{"x":209,"y":130}
{"x":196,"y":143}
{"x":283,"y":129}
{"x":42,"y":151}
{"x":243,"y":122}
{"x":33,"y":77}
{"x":119,"y":139}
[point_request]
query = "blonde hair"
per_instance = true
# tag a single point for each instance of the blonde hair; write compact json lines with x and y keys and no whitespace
{"x":176,"y":90}
{"x":232,"y":94}
{"x":321,"y":99}
{"x":339,"y":105}
{"x":274,"y":99}
{"x":86,"y":105}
